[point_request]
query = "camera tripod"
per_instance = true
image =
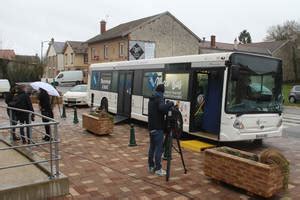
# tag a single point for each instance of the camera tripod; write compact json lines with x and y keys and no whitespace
{"x":174,"y":122}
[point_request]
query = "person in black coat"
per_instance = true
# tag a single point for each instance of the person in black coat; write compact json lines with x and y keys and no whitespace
{"x":46,"y":110}
{"x":157,"y":108}
{"x":23,"y":101}
{"x":11,"y":113}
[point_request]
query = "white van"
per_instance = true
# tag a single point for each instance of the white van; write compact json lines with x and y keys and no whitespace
{"x":69,"y":77}
{"x":4,"y":86}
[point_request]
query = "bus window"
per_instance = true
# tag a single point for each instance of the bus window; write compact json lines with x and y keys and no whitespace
{"x":177,"y":86}
{"x":95,"y":80}
{"x":105,"y":81}
{"x":150,"y":81}
{"x":137,"y":82}
{"x":251,"y":92}
{"x":114,"y":83}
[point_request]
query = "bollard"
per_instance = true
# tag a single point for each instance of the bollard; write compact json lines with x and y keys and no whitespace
{"x":75,"y":121}
{"x":64,"y":112}
{"x":132,"y":136}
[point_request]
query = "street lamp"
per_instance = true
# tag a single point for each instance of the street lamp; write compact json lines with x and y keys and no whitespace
{"x":42,"y":62}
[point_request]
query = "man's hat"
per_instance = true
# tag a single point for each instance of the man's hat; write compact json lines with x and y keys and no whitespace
{"x":160,"y":88}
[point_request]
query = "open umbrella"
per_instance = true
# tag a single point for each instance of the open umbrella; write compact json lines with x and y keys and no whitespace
{"x":46,"y":86}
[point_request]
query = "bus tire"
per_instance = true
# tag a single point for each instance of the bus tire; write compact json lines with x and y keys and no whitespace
{"x":77,"y":82}
{"x":258,"y":142}
{"x":104,"y":104}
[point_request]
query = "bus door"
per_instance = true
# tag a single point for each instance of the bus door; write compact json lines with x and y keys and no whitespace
{"x":199,"y":93}
{"x":207,"y":101}
{"x":124,"y":93}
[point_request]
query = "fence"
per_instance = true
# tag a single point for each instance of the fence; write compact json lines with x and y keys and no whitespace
{"x":36,"y":132}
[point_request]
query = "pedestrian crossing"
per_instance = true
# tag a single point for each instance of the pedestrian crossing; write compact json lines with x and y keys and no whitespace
{"x":288,"y":125}
{"x":291,"y":120}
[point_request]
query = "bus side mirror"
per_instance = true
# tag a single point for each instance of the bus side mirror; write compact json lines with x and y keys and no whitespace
{"x":235,"y":73}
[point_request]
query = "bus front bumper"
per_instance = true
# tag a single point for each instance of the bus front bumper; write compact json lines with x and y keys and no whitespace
{"x":252,"y":136}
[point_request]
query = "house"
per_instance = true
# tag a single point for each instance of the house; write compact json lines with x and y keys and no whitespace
{"x":27,"y":59}
{"x":75,"y":56}
{"x":161,"y":35}
{"x":279,"y":49}
{"x":7,"y":54}
{"x":55,"y":58}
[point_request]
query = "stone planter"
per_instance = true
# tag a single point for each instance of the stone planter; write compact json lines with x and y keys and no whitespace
{"x":99,"y":125}
{"x":241,"y":170}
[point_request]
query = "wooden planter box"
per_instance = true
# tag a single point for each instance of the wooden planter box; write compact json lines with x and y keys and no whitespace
{"x":253,"y":176}
{"x":99,"y":125}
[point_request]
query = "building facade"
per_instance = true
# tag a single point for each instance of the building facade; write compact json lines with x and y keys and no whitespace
{"x":156,"y":36}
{"x":76,"y":57}
{"x":54,"y":58}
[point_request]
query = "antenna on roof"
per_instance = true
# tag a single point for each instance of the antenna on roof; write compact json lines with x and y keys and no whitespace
{"x":106,"y":17}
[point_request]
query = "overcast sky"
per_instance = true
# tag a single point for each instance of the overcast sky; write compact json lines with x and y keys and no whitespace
{"x":25,"y":23}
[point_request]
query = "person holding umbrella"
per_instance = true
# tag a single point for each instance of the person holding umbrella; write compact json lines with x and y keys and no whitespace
{"x":46,"y":110}
{"x":45,"y":89}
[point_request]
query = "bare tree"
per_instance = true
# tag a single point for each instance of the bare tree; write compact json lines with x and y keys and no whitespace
{"x":288,"y":31}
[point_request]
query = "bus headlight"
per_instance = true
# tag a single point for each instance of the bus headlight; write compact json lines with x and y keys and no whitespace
{"x":279,"y":122}
{"x":238,"y":124}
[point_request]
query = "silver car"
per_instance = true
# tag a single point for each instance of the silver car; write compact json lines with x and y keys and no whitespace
{"x":294,"y":94}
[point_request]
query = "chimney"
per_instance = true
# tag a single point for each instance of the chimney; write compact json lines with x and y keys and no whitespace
{"x":213,"y":41}
{"x":235,"y":46}
{"x":52,"y":41}
{"x":102,"y":26}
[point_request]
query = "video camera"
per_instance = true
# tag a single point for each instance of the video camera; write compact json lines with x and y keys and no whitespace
{"x":174,"y":121}
{"x":174,"y":130}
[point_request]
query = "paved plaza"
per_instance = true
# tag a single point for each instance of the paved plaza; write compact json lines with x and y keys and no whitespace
{"x":105,"y":167}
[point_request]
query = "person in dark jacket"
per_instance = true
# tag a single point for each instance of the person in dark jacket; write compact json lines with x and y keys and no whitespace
{"x":46,"y":110}
{"x":23,"y":101}
{"x":11,"y":113}
{"x":157,"y":108}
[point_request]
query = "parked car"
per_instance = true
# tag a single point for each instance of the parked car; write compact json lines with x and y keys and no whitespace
{"x":257,"y":87}
{"x":4,"y":86}
{"x":77,"y":95}
{"x":69,"y":77}
{"x":294,"y":94}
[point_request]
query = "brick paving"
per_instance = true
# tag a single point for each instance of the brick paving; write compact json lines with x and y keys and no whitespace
{"x":105,"y":167}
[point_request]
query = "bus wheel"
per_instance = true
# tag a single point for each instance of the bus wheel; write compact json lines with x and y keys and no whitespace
{"x":78,"y":82}
{"x":258,"y":142}
{"x":104,"y":105}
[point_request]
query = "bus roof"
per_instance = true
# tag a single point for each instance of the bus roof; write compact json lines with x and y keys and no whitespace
{"x":198,"y":60}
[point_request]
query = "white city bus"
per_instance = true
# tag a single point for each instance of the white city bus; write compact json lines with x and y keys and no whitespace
{"x":222,"y":96}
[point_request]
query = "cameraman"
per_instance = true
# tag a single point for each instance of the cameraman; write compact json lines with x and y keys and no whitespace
{"x":157,"y":108}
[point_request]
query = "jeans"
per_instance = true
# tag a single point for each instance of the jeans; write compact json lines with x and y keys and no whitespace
{"x":25,"y":121}
{"x":13,"y":120}
{"x":48,"y":113}
{"x":155,"y":149}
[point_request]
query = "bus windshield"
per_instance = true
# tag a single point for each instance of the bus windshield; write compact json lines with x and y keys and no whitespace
{"x":254,"y":85}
